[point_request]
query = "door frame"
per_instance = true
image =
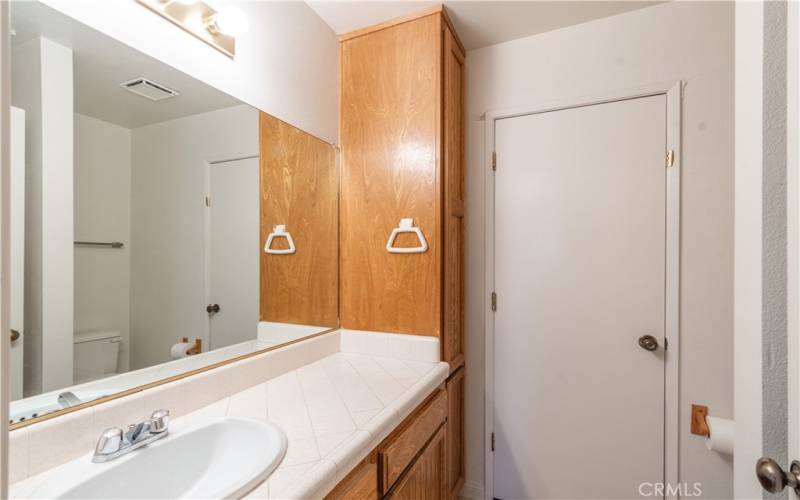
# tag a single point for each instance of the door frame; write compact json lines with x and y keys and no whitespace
{"x":673,"y":90}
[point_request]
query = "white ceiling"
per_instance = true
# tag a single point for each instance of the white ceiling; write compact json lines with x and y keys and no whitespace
{"x":479,"y":23}
{"x":101,"y":63}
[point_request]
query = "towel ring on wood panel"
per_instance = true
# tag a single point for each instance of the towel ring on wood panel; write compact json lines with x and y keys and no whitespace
{"x":407,"y":226}
{"x":279,"y":232}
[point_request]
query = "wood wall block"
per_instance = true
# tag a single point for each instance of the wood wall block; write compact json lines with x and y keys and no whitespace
{"x":389,"y":133}
{"x":453,"y":152}
{"x":299,"y":188}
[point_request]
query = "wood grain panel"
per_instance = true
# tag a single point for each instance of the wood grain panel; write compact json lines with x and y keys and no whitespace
{"x":299,"y":188}
{"x":398,"y":453}
{"x":360,"y":484}
{"x":425,"y":480}
{"x":390,"y":128}
{"x":453,"y":248}
{"x":455,"y":433}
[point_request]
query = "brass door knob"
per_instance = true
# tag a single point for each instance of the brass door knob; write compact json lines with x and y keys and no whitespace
{"x":15,"y":335}
{"x":648,"y":343}
{"x":774,"y":479}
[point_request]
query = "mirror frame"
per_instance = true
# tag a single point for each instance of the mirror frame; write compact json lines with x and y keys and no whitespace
{"x":167,"y":380}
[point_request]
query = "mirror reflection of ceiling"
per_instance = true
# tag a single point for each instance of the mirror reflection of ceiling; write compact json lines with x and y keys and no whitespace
{"x":478,"y":23}
{"x":101,"y":64}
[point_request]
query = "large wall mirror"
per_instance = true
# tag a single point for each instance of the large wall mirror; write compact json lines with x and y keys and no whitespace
{"x":158,"y":225}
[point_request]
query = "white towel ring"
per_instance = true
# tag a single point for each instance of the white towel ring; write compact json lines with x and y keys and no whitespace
{"x":279,"y":232}
{"x":407,"y":226}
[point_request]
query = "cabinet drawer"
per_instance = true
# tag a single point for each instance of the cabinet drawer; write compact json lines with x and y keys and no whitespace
{"x":401,"y":450}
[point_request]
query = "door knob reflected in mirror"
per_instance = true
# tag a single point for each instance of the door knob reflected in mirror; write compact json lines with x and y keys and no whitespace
{"x":774,"y":479}
{"x":212,"y":308}
{"x":648,"y":343}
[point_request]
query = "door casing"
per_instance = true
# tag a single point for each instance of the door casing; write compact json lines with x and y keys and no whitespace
{"x":673,"y":91}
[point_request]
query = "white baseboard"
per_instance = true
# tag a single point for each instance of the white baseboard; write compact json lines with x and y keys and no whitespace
{"x":472,"y":490}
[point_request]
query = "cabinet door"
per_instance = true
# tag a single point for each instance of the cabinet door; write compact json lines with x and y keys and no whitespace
{"x":455,"y":433}
{"x":390,"y":126}
{"x":425,"y":480}
{"x":453,"y":249}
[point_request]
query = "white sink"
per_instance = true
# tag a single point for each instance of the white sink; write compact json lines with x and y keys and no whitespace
{"x":220,"y":458}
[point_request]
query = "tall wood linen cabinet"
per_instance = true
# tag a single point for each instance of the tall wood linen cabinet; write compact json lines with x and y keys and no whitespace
{"x":401,"y":139}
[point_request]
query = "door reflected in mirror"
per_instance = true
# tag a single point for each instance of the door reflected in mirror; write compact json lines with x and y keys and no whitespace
{"x":141,"y":202}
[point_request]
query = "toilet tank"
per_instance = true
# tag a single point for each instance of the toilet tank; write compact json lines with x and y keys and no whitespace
{"x":96,"y":354}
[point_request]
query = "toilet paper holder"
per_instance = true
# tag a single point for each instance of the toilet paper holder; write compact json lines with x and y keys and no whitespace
{"x":197,"y":348}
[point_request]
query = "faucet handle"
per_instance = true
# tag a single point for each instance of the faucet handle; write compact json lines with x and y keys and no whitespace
{"x":110,"y":441}
{"x":159,"y":421}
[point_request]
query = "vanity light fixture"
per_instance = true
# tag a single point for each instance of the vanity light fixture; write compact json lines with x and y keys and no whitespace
{"x":217,"y":27}
{"x":230,"y":21}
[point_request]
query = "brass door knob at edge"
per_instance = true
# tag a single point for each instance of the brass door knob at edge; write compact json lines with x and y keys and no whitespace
{"x":774,"y":479}
{"x":15,"y":335}
{"x":648,"y":342}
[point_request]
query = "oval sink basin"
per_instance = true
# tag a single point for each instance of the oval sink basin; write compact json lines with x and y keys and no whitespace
{"x":220,"y":458}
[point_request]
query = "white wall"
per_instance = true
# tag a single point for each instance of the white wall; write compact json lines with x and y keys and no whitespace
{"x":692,"y":41}
{"x":168,"y":297}
{"x":42,"y":86}
{"x":287,"y":65}
{"x":102,"y":213}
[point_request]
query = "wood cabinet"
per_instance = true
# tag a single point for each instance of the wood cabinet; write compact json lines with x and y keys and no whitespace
{"x":395,"y":455}
{"x":401,"y":136}
{"x":413,"y":462}
{"x":402,"y":156}
{"x":455,"y":433}
{"x":360,"y":484}
{"x":425,"y":479}
{"x":453,"y":235}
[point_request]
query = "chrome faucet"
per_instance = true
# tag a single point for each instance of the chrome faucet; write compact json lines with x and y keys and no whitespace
{"x":114,"y":443}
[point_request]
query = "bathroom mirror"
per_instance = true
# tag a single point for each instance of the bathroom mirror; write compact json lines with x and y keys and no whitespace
{"x":158,"y":225}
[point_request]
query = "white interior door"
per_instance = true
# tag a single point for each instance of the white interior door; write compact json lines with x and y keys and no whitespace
{"x":579,"y":269}
{"x":233,"y":251}
{"x":17,"y":251}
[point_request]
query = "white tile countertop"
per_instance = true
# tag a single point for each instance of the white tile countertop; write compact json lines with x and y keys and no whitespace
{"x":334,"y":411}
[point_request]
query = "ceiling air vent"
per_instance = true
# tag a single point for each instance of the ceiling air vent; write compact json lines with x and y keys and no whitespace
{"x":148,"y":88}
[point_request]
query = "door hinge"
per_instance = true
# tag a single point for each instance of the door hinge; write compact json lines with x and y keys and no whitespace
{"x":494,"y":302}
{"x":494,"y":161}
{"x":493,"y":441}
{"x":669,"y":158}
{"x":208,"y":201}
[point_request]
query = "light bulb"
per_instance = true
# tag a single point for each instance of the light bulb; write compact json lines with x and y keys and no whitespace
{"x":230,"y":21}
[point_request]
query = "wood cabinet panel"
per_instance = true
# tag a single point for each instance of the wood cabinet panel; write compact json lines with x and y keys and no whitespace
{"x":455,"y":433}
{"x":400,"y":450}
{"x":390,"y":139}
{"x":425,"y":480}
{"x":453,"y":249}
{"x":360,"y":484}
{"x":299,"y":189}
